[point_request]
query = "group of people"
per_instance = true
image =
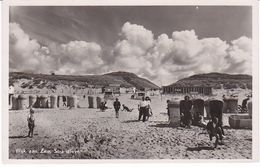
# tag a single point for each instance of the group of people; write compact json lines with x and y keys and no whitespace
{"x":144,"y":108}
{"x":214,"y":126}
{"x":117,"y":106}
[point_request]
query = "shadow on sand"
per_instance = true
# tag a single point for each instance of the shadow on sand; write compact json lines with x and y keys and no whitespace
{"x":199,"y":148}
{"x":17,"y":137}
{"x":130,"y":121}
{"x":161,"y":125}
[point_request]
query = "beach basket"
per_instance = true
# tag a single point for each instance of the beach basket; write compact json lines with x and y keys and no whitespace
{"x":73,"y":101}
{"x":98,"y":102}
{"x":91,"y":101}
{"x":23,"y":102}
{"x":43,"y":101}
{"x":174,"y":113}
{"x":32,"y":100}
{"x":54,"y":100}
{"x":216,"y":109}
{"x":14,"y":102}
{"x":249,"y":106}
{"x":230,"y":105}
{"x":198,"y":109}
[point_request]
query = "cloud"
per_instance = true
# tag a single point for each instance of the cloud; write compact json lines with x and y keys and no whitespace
{"x":164,"y":59}
{"x":240,"y":56}
{"x":74,"y":57}
{"x":167,"y":59}
{"x":80,"y":57}
{"x":27,"y":54}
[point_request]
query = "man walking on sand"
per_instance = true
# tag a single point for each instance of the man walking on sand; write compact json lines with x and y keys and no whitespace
{"x":117,"y":106}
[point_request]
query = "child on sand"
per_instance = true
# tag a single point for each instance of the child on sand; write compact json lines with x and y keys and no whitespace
{"x":31,"y":122}
{"x":215,"y":130}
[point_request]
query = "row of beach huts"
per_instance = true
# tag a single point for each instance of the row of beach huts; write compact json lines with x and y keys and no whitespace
{"x":24,"y":101}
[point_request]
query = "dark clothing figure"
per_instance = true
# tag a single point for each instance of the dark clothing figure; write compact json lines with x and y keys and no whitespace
{"x":31,"y":123}
{"x":127,"y":109}
{"x":141,"y":108}
{"x":198,"y":109}
{"x":117,"y":106}
{"x":146,"y":114}
{"x":141,"y":113}
{"x":185,"y":109}
{"x":215,"y":130}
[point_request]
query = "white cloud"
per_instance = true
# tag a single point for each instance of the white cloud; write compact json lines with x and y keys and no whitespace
{"x":240,"y":56}
{"x":163,"y":59}
{"x":27,"y":54}
{"x":75,"y":57}
{"x":80,"y":57}
{"x":168,"y":59}
{"x":137,"y":35}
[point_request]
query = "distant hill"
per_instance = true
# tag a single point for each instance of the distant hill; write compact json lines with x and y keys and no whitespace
{"x":131,"y":78}
{"x":215,"y":80}
{"x":124,"y":79}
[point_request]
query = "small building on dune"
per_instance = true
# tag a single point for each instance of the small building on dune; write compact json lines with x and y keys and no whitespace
{"x":179,"y":89}
{"x":115,"y":88}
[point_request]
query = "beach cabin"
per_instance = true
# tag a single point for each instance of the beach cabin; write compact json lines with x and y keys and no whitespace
{"x":109,"y":95}
{"x":175,"y":89}
{"x":138,"y":95}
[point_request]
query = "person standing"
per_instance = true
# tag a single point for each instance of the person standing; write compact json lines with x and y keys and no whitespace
{"x":31,"y":122}
{"x":185,"y":107}
{"x":117,"y":106}
{"x":148,"y":110}
{"x":141,"y":108}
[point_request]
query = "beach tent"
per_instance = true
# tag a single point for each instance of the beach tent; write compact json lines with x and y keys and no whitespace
{"x":230,"y":105}
{"x":23,"y":102}
{"x":198,"y":109}
{"x":174,"y":113}
{"x":249,"y":106}
{"x":206,"y":105}
{"x":216,"y":109}
{"x":14,"y":102}
{"x":32,"y":100}
{"x":92,"y":102}
{"x":54,"y":99}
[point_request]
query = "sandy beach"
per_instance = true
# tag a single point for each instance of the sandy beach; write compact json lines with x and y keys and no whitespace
{"x":85,"y":133}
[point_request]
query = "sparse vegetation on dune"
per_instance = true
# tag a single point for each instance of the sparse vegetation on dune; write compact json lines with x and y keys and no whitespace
{"x":124,"y":79}
{"x":215,"y":80}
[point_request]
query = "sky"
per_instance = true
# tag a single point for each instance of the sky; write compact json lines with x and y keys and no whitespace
{"x":160,"y":43}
